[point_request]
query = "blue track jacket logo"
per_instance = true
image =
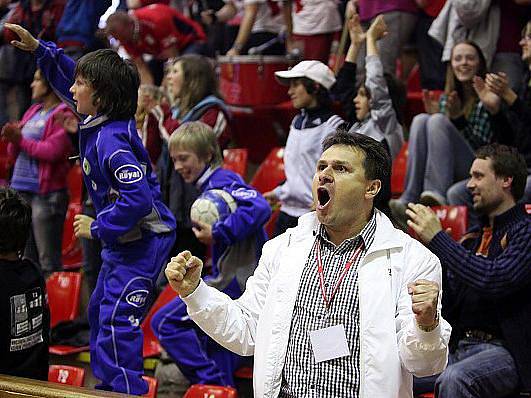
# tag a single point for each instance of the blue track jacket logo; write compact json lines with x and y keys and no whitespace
{"x":137,"y":298}
{"x":128,"y":174}
{"x":244,"y":194}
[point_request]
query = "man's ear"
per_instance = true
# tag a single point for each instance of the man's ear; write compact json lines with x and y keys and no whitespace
{"x":373,"y":187}
{"x":507,"y":182}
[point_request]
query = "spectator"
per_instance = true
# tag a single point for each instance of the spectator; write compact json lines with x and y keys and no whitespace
{"x":487,"y":282}
{"x":133,"y":223}
{"x":24,"y":336}
{"x":39,"y":147}
{"x":311,"y":27}
{"x":235,"y":242}
{"x":442,"y":142}
{"x":158,"y":30}
{"x":193,"y":85}
{"x":287,"y":318}
{"x":262,"y":23}
{"x":511,"y":122}
{"x":400,"y":16}
{"x":40,"y":17}
{"x":309,"y":84}
{"x":375,"y":105}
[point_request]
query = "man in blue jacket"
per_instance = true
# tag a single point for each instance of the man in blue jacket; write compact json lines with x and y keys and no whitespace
{"x":488,"y":277}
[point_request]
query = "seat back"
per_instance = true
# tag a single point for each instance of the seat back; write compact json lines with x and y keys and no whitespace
{"x":75,"y":183}
{"x":528,"y":208}
{"x":71,"y":252}
{"x":153,"y":385}
{"x":64,"y":291}
{"x":453,"y":217}
{"x":235,"y":159}
{"x":64,"y":374}
{"x":151,"y":344}
{"x":208,"y":391}
{"x":271,"y":172}
{"x":398,"y":174}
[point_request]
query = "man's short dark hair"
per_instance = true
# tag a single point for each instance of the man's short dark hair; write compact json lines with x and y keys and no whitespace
{"x":15,"y":221}
{"x":377,"y":163}
{"x":115,"y":82}
{"x":506,"y":162}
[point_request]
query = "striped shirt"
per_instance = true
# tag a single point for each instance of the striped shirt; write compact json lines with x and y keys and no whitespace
{"x":340,"y":377}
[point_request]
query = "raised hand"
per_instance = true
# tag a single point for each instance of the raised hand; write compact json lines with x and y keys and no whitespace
{"x":378,"y":28}
{"x":490,"y":100}
{"x":356,"y":33}
{"x":184,"y":273}
{"x":431,"y":104}
{"x":26,"y":41}
{"x":453,"y":105}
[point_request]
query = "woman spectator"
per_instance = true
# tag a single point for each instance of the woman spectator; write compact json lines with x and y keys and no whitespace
{"x":193,"y":87}
{"x":39,"y":147}
{"x":442,"y":141}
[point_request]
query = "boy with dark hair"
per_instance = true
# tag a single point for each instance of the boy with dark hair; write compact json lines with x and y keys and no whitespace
{"x":24,"y":335}
{"x":137,"y":229}
{"x":309,"y":84}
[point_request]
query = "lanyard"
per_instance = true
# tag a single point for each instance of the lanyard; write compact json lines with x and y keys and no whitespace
{"x":354,"y":257}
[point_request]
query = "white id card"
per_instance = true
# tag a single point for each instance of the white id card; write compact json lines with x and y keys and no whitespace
{"x":329,"y":343}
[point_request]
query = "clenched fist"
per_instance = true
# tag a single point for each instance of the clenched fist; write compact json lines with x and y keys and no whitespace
{"x":184,"y":273}
{"x":424,"y":299}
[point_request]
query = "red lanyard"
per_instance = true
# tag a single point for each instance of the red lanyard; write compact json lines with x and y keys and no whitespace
{"x":354,"y":257}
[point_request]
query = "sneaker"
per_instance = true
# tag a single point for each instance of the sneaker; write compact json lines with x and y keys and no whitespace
{"x":398,"y":210}
{"x":432,"y":198}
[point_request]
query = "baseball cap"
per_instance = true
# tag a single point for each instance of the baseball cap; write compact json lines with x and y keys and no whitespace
{"x":314,"y":70}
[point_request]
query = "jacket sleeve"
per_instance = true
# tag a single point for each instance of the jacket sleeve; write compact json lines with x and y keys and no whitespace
{"x":233,"y":323}
{"x":217,"y":119}
{"x":128,"y":177}
{"x":382,"y":111}
{"x":345,"y":90}
{"x":252,"y":213}
{"x":421,"y":353}
{"x":494,"y":277}
{"x":58,"y":70}
{"x":54,"y":146}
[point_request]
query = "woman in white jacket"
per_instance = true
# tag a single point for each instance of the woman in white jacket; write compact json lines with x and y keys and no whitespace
{"x":400,"y":333}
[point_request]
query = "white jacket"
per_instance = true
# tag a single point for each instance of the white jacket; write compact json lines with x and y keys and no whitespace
{"x":392,"y":346}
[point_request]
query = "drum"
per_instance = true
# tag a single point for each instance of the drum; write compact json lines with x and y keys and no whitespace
{"x":249,"y":80}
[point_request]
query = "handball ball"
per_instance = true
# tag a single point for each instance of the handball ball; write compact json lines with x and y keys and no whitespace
{"x":212,"y":206}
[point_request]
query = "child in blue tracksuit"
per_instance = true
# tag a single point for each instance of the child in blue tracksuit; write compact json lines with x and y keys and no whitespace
{"x":136,"y":228}
{"x":236,"y":244}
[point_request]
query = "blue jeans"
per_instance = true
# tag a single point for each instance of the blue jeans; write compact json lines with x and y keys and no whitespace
{"x":48,"y":213}
{"x":478,"y":370}
{"x":439,"y":155}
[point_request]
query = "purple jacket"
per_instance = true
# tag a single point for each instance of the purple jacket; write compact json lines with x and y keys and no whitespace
{"x":51,"y":151}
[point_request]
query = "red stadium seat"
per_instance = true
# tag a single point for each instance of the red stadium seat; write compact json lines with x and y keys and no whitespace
{"x":272,"y":222}
{"x":271,"y":171}
{"x":4,"y":162}
{"x":236,"y":160}
{"x":151,"y":344}
{"x":75,"y":184}
{"x":207,"y":391}
{"x":528,"y":208}
{"x":398,"y":174}
{"x":454,"y":217}
{"x":427,"y":395}
{"x":64,"y":290}
{"x":245,"y":372}
{"x":153,"y":384}
{"x":72,"y":255}
{"x":63,"y":374}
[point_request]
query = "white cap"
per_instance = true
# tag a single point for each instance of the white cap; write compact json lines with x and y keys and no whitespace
{"x":314,"y":70}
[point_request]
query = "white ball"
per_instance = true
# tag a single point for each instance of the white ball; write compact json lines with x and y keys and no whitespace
{"x":211,"y":206}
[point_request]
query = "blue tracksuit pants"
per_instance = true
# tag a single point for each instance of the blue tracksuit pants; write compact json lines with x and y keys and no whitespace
{"x":199,"y":358}
{"x":117,"y":307}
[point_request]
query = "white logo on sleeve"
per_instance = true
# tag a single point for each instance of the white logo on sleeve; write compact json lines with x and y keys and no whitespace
{"x":137,"y":298}
{"x":128,"y":174}
{"x":243,"y":193}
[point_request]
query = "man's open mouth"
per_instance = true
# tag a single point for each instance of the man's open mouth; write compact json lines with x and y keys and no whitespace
{"x":323,"y":196}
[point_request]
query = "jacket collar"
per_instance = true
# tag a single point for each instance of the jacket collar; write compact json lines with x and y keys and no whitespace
{"x":386,"y":235}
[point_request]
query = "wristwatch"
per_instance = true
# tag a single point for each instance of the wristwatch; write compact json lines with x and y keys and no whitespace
{"x":430,"y":328}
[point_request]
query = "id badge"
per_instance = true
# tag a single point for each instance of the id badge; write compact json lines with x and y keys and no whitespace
{"x":329,"y":343}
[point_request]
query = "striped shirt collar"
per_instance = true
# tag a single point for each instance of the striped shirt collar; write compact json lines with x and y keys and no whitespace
{"x":366,"y":234}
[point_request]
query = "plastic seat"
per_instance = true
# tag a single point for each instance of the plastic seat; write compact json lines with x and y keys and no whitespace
{"x":528,"y":208}
{"x":398,"y":174}
{"x":153,"y":385}
{"x":71,"y":253}
{"x":63,"y":374}
{"x":454,"y":217}
{"x":271,"y":171}
{"x":427,"y":395}
{"x":75,"y":184}
{"x":151,"y":343}
{"x":208,"y":391}
{"x":235,"y":159}
{"x":64,"y":290}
